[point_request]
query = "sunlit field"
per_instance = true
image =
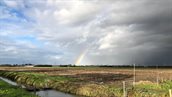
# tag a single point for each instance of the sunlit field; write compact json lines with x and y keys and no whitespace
{"x":95,"y":81}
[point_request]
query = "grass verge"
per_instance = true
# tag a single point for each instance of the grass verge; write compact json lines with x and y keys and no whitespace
{"x":7,"y":90}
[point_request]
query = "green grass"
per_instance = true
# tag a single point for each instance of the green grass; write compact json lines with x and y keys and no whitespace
{"x":150,"y":89}
{"x":7,"y":90}
{"x":78,"y":87}
{"x":39,"y":81}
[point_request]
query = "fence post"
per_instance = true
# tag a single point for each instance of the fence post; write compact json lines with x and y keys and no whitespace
{"x":170,"y":93}
{"x":124,"y":92}
{"x":134,"y":74}
{"x":157,"y":76}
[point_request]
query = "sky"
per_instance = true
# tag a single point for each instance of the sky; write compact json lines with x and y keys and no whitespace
{"x":86,"y":32}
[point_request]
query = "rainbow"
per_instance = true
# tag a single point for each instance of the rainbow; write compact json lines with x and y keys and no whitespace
{"x":81,"y":57}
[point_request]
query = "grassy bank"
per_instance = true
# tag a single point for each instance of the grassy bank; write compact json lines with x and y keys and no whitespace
{"x":149,"y":89}
{"x":7,"y":90}
{"x":80,"y":87}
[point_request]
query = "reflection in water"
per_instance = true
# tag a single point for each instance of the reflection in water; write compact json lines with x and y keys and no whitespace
{"x":53,"y":93}
{"x":43,"y":93}
{"x":9,"y":81}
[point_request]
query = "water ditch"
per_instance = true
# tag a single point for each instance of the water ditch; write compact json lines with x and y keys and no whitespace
{"x":42,"y":93}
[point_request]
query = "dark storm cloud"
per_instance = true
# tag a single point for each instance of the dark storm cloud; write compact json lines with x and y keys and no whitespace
{"x":150,"y":27}
{"x":113,"y":31}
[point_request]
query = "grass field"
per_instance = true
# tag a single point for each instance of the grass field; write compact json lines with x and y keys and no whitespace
{"x":94,"y":81}
{"x":7,"y":90}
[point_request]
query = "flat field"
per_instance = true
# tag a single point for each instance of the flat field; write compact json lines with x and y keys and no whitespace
{"x":95,"y":81}
{"x":100,"y":74}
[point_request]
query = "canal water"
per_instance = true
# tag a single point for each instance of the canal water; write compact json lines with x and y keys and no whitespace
{"x":43,"y":93}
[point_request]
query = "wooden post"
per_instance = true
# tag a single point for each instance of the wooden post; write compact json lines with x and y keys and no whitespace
{"x":134,"y":74}
{"x":170,"y":93}
{"x":157,"y":76}
{"x":124,"y":92}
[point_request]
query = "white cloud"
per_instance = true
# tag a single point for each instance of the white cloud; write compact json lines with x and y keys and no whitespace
{"x":11,"y":3}
{"x":112,"y":30}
